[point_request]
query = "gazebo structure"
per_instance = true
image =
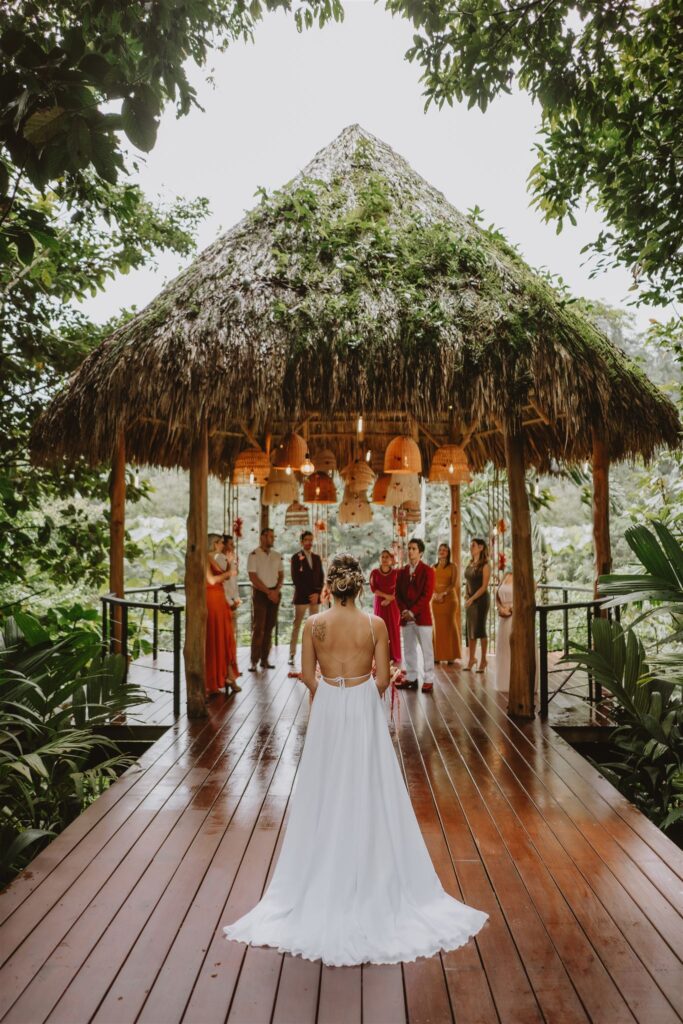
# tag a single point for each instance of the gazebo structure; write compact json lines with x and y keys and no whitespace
{"x":357,"y":292}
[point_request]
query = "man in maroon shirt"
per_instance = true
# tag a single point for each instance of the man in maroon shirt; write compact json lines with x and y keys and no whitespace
{"x":414,"y":589}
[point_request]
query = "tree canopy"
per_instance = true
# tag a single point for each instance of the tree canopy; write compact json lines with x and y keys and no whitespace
{"x":608,"y":76}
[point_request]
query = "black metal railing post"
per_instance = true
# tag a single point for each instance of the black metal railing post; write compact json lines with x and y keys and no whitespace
{"x":105,"y":624}
{"x":176,"y":661}
{"x":543,"y":655}
{"x":124,"y":637}
{"x":565,"y":622}
{"x":155,"y":627}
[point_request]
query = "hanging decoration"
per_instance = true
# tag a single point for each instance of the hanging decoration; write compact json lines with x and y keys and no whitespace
{"x":237,"y":527}
{"x":281,"y":488}
{"x":411,"y":511}
{"x":296,"y":514}
{"x":379,"y":491}
{"x":357,"y":476}
{"x":291,"y":453}
{"x":252,"y":466}
{"x":355,"y":509}
{"x":325,"y":461}
{"x":307,"y":467}
{"x":319,"y":489}
{"x":402,"y":456}
{"x":450,"y":466}
{"x":403,"y":487}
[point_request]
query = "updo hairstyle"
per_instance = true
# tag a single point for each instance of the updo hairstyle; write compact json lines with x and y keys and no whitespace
{"x":344,"y":576}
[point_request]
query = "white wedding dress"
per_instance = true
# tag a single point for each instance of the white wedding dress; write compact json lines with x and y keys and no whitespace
{"x":354,"y":882}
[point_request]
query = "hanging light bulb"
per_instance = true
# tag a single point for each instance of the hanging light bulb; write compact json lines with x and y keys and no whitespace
{"x":252,"y":478}
{"x":288,"y":470}
{"x":586,"y":467}
{"x":360,"y":424}
{"x":537,"y":489}
{"x":451,"y":468}
{"x":307,"y":467}
{"x":368,"y":455}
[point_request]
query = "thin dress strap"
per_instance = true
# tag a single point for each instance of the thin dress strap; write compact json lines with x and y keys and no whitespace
{"x":372,"y":631}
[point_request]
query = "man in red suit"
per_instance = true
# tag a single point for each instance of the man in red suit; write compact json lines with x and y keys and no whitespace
{"x":308,"y":579}
{"x":414,"y":589}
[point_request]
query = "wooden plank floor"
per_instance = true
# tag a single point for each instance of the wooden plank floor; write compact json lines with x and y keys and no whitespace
{"x":119,"y":919}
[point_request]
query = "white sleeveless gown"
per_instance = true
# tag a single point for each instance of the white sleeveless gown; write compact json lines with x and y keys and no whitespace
{"x":354,"y":882}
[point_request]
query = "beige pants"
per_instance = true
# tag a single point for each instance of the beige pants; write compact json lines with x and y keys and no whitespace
{"x":299,"y":616}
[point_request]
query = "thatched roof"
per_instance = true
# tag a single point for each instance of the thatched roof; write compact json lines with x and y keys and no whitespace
{"x":356,"y":288}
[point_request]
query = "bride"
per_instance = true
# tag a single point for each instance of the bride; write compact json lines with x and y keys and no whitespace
{"x":354,"y":882}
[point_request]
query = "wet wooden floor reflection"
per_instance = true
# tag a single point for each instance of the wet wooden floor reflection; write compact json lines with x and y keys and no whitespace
{"x":119,"y":920}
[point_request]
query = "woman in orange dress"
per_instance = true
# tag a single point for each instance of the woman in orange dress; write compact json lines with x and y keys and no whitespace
{"x":444,"y":607}
{"x":221,"y":652}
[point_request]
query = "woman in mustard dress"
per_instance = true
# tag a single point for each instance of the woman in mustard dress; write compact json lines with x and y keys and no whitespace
{"x":445,"y":607}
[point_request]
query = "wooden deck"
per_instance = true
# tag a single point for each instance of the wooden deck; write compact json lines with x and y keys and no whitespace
{"x":119,"y":919}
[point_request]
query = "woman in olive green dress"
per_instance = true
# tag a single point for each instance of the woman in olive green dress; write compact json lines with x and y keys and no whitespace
{"x":477,"y":576}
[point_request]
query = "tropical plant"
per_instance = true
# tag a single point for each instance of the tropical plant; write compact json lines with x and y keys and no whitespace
{"x":648,"y":743}
{"x":54,"y":696}
{"x":649,"y":738}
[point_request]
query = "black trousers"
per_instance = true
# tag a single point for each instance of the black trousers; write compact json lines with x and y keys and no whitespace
{"x":265,"y":617}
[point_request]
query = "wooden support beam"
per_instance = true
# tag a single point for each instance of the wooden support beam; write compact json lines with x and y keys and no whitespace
{"x":601,"y":539}
{"x":117,"y":531}
{"x":456,"y":555}
{"x":523,"y":633}
{"x":195,"y":575}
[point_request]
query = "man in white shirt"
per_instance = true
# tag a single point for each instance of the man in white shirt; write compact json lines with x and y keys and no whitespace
{"x":264,"y":566}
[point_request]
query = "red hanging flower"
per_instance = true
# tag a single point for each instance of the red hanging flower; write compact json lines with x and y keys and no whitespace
{"x":502,"y":526}
{"x":237,"y":527}
{"x":502,"y":561}
{"x":320,"y":526}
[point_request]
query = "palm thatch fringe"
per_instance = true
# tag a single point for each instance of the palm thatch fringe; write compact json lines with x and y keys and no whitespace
{"x":356,"y":288}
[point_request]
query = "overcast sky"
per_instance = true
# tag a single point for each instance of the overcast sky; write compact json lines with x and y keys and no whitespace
{"x":274,"y":104}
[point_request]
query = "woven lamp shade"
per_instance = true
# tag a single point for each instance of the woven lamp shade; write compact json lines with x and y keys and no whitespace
{"x":290,"y":452}
{"x":355,"y":509}
{"x":296,"y":514}
{"x":411,"y":511}
{"x":402,"y":456}
{"x":402,"y":488}
{"x":357,"y":476}
{"x":324,"y":461}
{"x":450,"y":466}
{"x":319,"y":488}
{"x":252,"y":466}
{"x":281,"y":489}
{"x":379,"y":491}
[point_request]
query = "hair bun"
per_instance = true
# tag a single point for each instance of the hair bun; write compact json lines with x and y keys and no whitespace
{"x":345,"y":576}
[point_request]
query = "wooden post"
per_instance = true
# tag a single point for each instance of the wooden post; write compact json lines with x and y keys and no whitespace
{"x":601,"y":538}
{"x":523,"y":633}
{"x":456,"y":555}
{"x":195,"y":575}
{"x":117,"y":528}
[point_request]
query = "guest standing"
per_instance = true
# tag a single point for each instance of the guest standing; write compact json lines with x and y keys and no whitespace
{"x":383,"y":585}
{"x":445,"y":607}
{"x":414,"y":589}
{"x":220,"y":651}
{"x":308,"y":578}
{"x":504,"y":597}
{"x":264,"y":566}
{"x":477,"y":575}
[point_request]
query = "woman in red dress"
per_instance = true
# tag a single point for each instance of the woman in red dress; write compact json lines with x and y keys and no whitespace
{"x":383,"y":586}
{"x":221,"y":651}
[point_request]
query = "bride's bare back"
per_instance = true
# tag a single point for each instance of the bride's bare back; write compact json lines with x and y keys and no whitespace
{"x":341,"y":642}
